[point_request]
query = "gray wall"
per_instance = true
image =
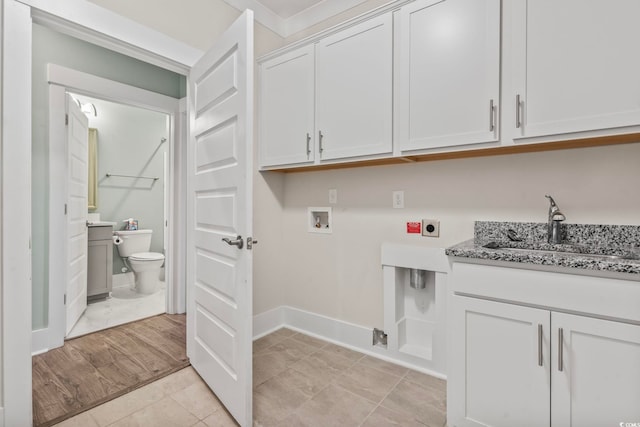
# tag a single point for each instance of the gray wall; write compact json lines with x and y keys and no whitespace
{"x":52,"y":47}
{"x":129,"y":143}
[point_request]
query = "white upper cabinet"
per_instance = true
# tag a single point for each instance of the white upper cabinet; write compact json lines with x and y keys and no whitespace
{"x":449,"y":73}
{"x":287,"y":108}
{"x":354,"y":90}
{"x":576,"y":66}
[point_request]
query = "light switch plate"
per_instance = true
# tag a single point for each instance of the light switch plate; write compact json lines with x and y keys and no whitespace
{"x":398,"y":199}
{"x":333,"y":196}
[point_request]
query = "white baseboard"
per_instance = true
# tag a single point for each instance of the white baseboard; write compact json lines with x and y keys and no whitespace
{"x":1,"y":416}
{"x":349,"y":335}
{"x":267,"y":322}
{"x":39,"y":341}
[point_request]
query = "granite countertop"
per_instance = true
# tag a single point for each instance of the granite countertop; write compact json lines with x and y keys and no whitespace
{"x":602,"y":248}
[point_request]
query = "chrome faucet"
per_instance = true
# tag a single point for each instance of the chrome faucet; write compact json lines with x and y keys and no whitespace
{"x":554,"y":234}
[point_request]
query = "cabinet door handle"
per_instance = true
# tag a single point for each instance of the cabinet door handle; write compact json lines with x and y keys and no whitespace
{"x":320,"y":137}
{"x":308,"y":145}
{"x":540,"y":360}
{"x":560,"y":340}
{"x":492,"y":123}
{"x":518,"y":122}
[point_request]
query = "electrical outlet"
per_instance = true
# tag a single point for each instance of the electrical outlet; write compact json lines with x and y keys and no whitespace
{"x":333,"y":196}
{"x":398,"y":199}
{"x":431,"y":227}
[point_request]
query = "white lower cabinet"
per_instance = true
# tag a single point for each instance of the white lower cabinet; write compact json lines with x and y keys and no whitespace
{"x":598,"y":381}
{"x":513,"y":365}
{"x":495,"y":368}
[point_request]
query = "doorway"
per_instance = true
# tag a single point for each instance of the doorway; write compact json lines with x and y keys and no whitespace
{"x":128,"y":162}
{"x":116,"y":196}
{"x":124,"y":36}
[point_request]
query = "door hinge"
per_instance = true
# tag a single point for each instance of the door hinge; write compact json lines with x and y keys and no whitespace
{"x":66,"y":119}
{"x":65,"y":208}
{"x":65,"y":299}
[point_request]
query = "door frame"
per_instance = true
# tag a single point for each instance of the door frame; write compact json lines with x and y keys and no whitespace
{"x":88,"y":22}
{"x":62,"y":80}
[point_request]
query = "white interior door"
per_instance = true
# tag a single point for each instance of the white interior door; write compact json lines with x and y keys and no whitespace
{"x":219,"y":169}
{"x":77,"y":181}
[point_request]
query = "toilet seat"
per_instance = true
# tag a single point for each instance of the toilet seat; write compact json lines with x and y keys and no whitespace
{"x":146,"y":256}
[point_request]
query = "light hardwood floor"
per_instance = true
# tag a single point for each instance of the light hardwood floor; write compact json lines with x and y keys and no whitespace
{"x":95,"y":368}
{"x":298,"y":381}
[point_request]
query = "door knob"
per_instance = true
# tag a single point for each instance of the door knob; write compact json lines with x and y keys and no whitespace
{"x":237,"y":242}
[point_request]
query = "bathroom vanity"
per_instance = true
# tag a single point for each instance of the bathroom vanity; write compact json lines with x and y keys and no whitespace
{"x":544,"y":337}
{"x":100,"y":261}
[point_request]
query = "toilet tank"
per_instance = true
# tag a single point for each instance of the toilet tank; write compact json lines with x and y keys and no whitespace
{"x":134,"y":241}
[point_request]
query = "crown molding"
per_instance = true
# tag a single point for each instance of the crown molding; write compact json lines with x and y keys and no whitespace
{"x":305,"y":19}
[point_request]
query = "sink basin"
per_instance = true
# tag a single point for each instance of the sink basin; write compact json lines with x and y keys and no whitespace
{"x":574,"y":250}
{"x":581,"y":254}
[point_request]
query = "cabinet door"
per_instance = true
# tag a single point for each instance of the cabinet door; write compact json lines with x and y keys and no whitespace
{"x":576,"y":65}
{"x":287,"y":108}
{"x":449,"y":73}
{"x":99,"y":267}
{"x":354,"y":90}
{"x":500,"y":365}
{"x":598,"y":382}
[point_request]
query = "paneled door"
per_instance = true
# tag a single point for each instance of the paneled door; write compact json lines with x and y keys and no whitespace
{"x":219,"y":212}
{"x":76,"y":210}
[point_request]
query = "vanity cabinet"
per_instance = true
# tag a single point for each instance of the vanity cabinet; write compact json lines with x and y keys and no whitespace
{"x":525,"y":362}
{"x":287,"y":108}
{"x":99,"y":262}
{"x":574,"y":66}
{"x":448,"y":58}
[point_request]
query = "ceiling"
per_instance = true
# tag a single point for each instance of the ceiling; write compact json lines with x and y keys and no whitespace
{"x":287,"y":17}
{"x":288,"y":8}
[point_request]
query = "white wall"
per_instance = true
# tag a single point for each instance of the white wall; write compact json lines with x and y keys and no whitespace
{"x":339,"y":275}
{"x":129,"y":143}
{"x":195,"y":22}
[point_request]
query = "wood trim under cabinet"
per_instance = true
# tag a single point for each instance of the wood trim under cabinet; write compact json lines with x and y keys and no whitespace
{"x":482,"y":152}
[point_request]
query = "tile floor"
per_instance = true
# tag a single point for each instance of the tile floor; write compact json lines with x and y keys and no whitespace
{"x":125,"y":305}
{"x":298,"y":381}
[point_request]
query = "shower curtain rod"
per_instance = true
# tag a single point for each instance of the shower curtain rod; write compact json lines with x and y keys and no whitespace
{"x":109,"y":175}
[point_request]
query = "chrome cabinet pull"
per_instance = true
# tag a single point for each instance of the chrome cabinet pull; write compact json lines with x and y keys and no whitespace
{"x":560,"y":340}
{"x":492,"y":122}
{"x":237,"y":242}
{"x":320,"y":136}
{"x":540,"y":361}
{"x":518,"y":122}
{"x":308,"y":145}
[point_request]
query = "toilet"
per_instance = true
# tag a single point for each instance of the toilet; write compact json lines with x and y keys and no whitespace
{"x":145,"y":265}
